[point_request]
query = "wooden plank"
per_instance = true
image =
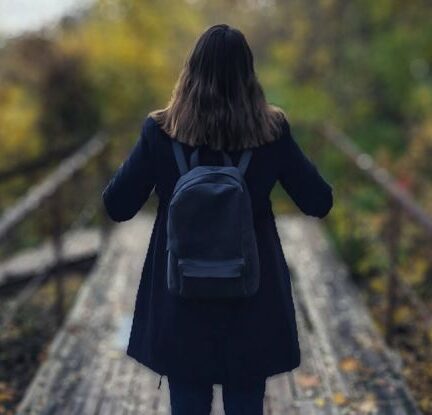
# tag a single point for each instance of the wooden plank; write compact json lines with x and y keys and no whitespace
{"x":355,"y":359}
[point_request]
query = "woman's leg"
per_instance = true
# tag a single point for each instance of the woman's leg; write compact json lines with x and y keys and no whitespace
{"x":244,"y":399}
{"x":189,"y":398}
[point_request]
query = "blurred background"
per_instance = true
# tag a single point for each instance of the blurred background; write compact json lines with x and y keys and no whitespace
{"x":78,"y":77}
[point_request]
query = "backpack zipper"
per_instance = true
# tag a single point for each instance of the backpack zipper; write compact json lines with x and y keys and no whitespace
{"x":206,"y":174}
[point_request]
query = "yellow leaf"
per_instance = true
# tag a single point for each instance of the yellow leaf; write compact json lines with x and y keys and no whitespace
{"x":339,"y":399}
{"x":6,"y":395}
{"x":320,"y":402}
{"x":378,"y":285}
{"x":349,"y":364}
{"x":403,"y":314}
{"x":425,"y":404}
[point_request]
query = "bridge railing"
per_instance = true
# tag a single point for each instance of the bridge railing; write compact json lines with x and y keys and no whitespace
{"x":49,"y":208}
{"x":401,"y":210}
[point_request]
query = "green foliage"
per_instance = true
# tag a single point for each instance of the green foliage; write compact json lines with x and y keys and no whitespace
{"x":133,"y":51}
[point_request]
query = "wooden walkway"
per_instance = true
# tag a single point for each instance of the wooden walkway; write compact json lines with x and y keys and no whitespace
{"x":345,"y":367}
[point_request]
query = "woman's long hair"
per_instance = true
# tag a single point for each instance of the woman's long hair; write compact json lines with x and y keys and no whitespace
{"x":217,"y":100}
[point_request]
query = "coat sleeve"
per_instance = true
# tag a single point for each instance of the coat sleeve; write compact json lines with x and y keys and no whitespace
{"x":133,"y":181}
{"x":300,"y":178}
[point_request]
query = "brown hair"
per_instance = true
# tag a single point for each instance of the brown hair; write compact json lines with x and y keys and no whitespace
{"x":217,"y":99}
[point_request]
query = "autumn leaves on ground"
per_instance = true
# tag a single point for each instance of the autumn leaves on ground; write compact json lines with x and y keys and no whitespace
{"x":363,"y":65}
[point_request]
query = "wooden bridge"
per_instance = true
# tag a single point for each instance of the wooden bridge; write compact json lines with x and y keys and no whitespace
{"x":346,"y":368}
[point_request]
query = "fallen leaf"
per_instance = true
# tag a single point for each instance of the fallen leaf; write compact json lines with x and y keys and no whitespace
{"x":403,"y":314}
{"x":6,"y":396}
{"x":368,"y":405}
{"x":378,"y":285}
{"x":320,"y":402}
{"x":306,"y":380}
{"x":339,"y":399}
{"x":349,"y":364}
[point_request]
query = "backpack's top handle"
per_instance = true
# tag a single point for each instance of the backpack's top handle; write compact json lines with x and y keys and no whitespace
{"x":194,"y":159}
{"x":242,"y":165}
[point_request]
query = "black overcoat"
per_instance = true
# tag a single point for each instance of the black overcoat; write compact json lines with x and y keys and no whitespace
{"x":222,"y":340}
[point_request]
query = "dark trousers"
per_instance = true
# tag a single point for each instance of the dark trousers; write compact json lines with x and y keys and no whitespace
{"x":189,"y":398}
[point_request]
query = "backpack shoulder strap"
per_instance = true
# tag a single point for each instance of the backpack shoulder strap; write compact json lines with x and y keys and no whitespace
{"x":180,"y":157}
{"x":194,"y":158}
{"x":244,"y":160}
{"x":227,"y":159}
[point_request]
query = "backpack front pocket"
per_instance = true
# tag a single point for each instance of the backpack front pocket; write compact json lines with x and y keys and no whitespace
{"x":213,"y":278}
{"x":215,"y":268}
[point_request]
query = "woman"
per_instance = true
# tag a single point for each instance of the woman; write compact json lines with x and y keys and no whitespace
{"x":218,"y":104}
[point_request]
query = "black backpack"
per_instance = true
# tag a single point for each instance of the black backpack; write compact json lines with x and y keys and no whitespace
{"x":211,"y":242}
